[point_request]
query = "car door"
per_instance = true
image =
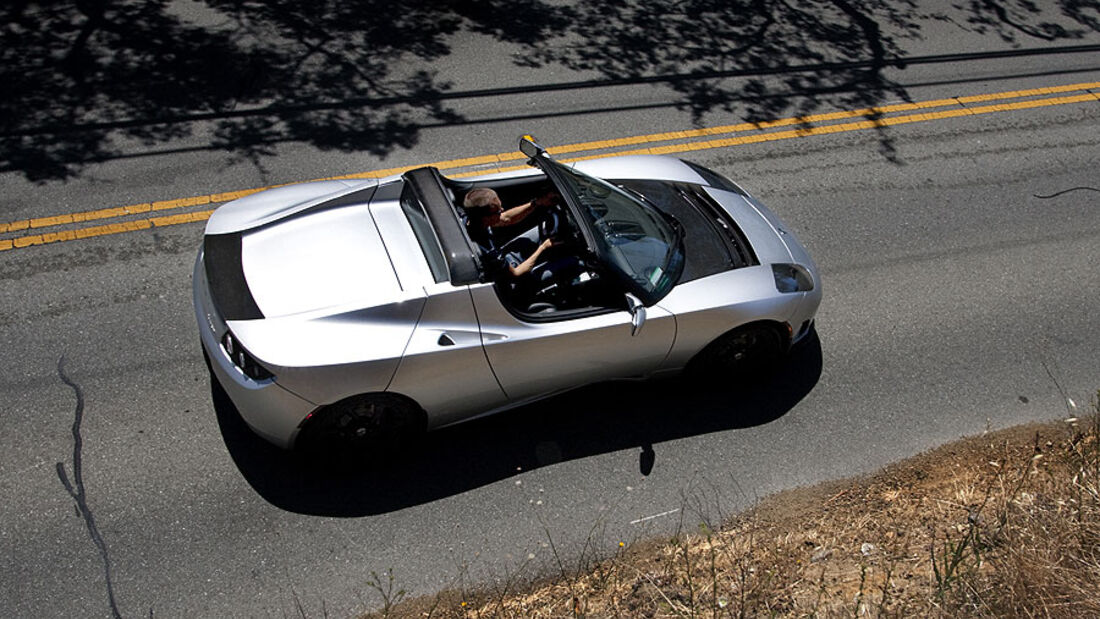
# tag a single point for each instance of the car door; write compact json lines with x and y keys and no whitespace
{"x":531,"y":359}
{"x":444,"y":368}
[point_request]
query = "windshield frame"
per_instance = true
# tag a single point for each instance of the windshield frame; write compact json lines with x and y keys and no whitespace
{"x":659,"y":276}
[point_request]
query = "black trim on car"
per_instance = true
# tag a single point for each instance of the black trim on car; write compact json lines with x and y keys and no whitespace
{"x":462,"y":262}
{"x":728,"y":227}
{"x":713,"y":241}
{"x":225,"y":277}
{"x":359,"y":196}
{"x":715,"y":179}
{"x":424,"y":233}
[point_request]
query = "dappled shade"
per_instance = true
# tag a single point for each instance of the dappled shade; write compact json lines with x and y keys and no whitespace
{"x":88,"y":81}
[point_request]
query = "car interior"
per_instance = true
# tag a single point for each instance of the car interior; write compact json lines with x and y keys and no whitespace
{"x":577,"y":291}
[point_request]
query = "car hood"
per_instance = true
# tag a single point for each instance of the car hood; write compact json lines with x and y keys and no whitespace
{"x":760,"y":225}
{"x":764,"y":230}
{"x":768,"y":230}
{"x":641,"y":167}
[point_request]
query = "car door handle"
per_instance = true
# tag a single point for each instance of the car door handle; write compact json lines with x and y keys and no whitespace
{"x":458,"y":337}
{"x":462,"y":337}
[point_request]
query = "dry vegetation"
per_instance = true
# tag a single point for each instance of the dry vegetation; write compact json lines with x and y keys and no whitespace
{"x":1006,"y":524}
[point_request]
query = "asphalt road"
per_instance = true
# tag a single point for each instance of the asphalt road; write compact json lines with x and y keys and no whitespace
{"x":956,"y":299}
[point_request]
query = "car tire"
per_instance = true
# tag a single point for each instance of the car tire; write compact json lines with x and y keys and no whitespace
{"x":745,"y":353}
{"x":364,"y":426}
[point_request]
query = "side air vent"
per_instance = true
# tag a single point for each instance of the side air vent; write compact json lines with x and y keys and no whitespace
{"x":225,"y":275}
{"x":723,"y":222}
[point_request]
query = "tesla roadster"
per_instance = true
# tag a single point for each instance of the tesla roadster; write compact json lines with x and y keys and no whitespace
{"x":352,"y":313}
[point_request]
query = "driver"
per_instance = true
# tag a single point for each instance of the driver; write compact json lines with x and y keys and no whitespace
{"x":485,"y":213}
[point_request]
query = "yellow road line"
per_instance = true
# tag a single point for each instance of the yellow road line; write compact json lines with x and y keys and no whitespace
{"x":122,"y":211}
{"x":495,"y":160}
{"x":854,"y":126}
{"x":801,"y":120}
{"x":104,"y":230}
{"x":822,"y":130}
{"x":147,"y":207}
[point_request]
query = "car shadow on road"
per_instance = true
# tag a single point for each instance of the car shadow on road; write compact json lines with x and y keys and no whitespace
{"x":593,"y":420}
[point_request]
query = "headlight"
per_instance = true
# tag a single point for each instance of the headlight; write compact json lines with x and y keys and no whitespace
{"x":244,"y":361}
{"x":792,"y":278}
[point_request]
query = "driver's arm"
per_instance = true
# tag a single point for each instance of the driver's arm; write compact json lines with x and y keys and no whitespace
{"x":517,"y":214}
{"x":531,"y":261}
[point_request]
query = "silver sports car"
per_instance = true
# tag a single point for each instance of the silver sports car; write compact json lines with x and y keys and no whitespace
{"x":351,"y":313}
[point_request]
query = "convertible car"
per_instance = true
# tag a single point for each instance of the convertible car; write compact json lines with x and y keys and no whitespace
{"x":352,"y":313}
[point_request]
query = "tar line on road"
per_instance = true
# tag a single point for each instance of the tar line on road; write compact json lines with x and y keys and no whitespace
{"x":651,"y":144}
{"x":76,"y":487}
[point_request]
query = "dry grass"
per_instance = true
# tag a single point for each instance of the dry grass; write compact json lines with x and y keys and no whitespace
{"x":1007,"y":524}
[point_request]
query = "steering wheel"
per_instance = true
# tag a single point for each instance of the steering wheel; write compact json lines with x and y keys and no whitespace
{"x":551,"y":223}
{"x":558,"y":225}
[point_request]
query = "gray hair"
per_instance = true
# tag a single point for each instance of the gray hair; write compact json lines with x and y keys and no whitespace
{"x":479,"y":198}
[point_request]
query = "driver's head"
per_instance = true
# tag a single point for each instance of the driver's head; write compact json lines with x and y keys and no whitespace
{"x":482,"y":205}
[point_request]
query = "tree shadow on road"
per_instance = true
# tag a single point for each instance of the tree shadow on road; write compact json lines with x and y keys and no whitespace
{"x":92,"y":81}
{"x":595,"y":420}
{"x":83,"y":78}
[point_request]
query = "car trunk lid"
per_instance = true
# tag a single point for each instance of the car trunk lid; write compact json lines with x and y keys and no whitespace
{"x":332,"y":258}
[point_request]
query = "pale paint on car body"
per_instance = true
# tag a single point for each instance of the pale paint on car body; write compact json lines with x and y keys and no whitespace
{"x":382,"y":330}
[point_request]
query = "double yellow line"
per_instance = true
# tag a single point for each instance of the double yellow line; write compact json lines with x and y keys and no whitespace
{"x":674,"y":142}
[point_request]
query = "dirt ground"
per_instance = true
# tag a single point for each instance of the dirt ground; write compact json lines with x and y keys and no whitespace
{"x":1003,"y":524}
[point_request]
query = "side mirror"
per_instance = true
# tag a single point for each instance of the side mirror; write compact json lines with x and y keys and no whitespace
{"x":637,"y":314}
{"x":528,"y":147}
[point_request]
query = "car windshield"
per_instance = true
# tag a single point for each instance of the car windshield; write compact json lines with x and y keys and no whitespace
{"x":640,"y":242}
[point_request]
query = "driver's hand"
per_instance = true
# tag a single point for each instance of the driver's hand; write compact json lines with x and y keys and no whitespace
{"x":547,"y":244}
{"x":549,"y":199}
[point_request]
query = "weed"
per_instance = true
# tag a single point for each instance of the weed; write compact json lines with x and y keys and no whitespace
{"x":1006,"y":524}
{"x":390,"y":598}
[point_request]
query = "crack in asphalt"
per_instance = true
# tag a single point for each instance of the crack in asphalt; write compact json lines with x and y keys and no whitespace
{"x":76,"y":487}
{"x":1055,"y":195}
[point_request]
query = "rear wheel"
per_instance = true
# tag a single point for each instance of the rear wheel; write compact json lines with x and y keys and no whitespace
{"x":362,"y":426}
{"x":747,"y":352}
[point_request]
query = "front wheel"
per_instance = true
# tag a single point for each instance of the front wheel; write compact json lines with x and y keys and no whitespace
{"x":748,"y":352}
{"x":361,"y":426}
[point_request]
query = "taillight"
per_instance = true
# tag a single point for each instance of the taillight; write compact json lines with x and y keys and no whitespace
{"x":243,"y":360}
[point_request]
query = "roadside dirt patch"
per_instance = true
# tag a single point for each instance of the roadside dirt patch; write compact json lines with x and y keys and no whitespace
{"x":1003,"y":524}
